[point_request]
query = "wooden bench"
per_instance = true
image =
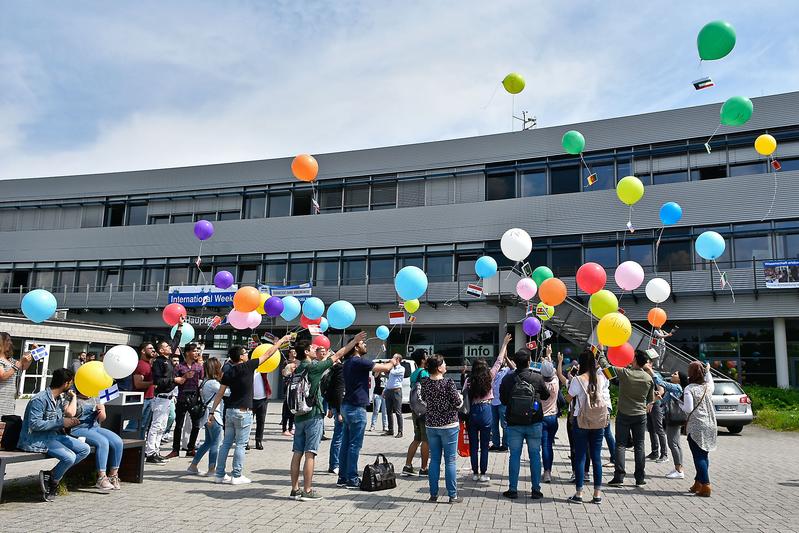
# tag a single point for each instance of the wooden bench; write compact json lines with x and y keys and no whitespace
{"x":131,"y":470}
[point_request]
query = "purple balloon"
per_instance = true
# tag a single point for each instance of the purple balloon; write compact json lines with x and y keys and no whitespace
{"x":273,"y":306}
{"x":203,"y":230}
{"x":223,"y":279}
{"x":531,"y":326}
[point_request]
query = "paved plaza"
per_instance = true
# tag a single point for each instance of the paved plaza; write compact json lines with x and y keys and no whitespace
{"x":755,"y":479}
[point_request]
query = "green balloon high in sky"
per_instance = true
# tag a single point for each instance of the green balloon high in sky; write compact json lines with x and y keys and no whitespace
{"x":573,"y":142}
{"x":715,"y":40}
{"x":513,"y":83}
{"x":736,"y":111}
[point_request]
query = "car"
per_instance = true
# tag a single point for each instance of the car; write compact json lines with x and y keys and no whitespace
{"x":733,"y":406}
{"x":409,"y":367}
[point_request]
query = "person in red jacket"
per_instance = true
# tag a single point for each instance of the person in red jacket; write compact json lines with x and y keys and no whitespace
{"x":261,"y":392}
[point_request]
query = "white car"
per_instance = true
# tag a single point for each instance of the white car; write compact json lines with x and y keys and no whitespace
{"x":409,"y":367}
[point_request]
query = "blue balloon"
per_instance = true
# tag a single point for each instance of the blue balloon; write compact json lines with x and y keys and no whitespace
{"x":710,"y":245}
{"x":313,"y":308}
{"x":411,"y":282}
{"x":340,"y":314}
{"x":670,"y":213}
{"x":485,"y":267}
{"x":291,"y":308}
{"x":186,"y":334}
{"x":323,"y":325}
{"x":38,"y":305}
{"x":382,"y":333}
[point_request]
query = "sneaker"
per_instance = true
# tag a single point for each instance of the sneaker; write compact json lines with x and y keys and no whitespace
{"x":574,"y":499}
{"x":44,"y":483}
{"x":547,"y":477}
{"x":536,"y":494}
{"x":640,"y":483}
{"x":155,"y":459}
{"x":398,"y":435}
{"x":287,"y":434}
{"x":241,"y":480}
{"x":652,"y":456}
{"x":219,"y":480}
{"x":166,"y":438}
{"x":388,"y":433}
{"x":616,"y":482}
{"x":103,"y":484}
{"x":209,"y":473}
{"x":408,"y":470}
{"x":193,"y":471}
{"x":52,"y":491}
{"x":484,"y":478}
{"x":455,"y":499}
{"x":572,"y":478}
{"x":341,"y":483}
{"x":354,"y":485}
{"x":675,"y":475}
{"x":115,"y":482}
{"x":662,"y":459}
{"x":164,"y":459}
{"x":511,"y":494}
{"x":433,"y":499}
{"x":332,"y":470}
{"x":311,"y":496}
{"x":191,"y":453}
{"x":371,"y":428}
{"x":423,"y":471}
{"x":295,"y":494}
{"x":475,"y":477}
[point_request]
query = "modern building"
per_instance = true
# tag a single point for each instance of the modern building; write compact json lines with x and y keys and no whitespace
{"x":109,"y":245}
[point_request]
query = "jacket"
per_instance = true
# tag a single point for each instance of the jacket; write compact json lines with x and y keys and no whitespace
{"x":509,"y":381}
{"x":44,"y":421}
{"x":163,"y":375}
{"x":334,"y":394}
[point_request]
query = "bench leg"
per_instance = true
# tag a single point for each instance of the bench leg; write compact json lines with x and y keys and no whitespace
{"x":131,"y":470}
{"x":2,"y":478}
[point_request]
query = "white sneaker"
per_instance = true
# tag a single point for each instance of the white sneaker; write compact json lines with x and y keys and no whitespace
{"x":241,"y":480}
{"x":219,"y":480}
{"x":675,"y":475}
{"x":485,"y":478}
{"x":475,"y":477}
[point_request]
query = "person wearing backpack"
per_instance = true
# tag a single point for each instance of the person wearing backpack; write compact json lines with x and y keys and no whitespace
{"x":333,"y":391}
{"x":675,"y":418}
{"x":522,"y":393}
{"x":419,"y":357}
{"x":590,"y":419}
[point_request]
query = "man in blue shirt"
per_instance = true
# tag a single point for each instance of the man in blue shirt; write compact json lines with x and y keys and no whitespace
{"x":392,"y":395}
{"x":419,"y":357}
{"x":498,"y":411}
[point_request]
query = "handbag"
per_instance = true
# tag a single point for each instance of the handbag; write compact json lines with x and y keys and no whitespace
{"x":198,"y":406}
{"x":463,"y":440}
{"x":466,"y":406}
{"x":11,"y":432}
{"x":378,"y":476}
{"x":675,"y":416}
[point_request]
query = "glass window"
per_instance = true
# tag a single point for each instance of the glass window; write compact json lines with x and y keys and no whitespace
{"x":356,"y":198}
{"x":747,"y":169}
{"x":45,"y":279}
{"x":208,"y":215}
{"x":248,"y":274}
{"x":177,"y":275}
{"x":709,"y":173}
{"x":604,"y":255}
{"x":640,"y":253}
{"x":789,"y":164}
{"x":439,"y":268}
{"x":465,"y":269}
{"x":353,"y":271}
{"x":229,"y":215}
{"x":748,"y":247}
{"x":565,"y":179}
{"x":131,"y":276}
{"x":501,"y":186}
{"x":160,"y":219}
{"x":788,"y":246}
{"x":275,"y":273}
{"x":279,"y":204}
{"x":299,"y":272}
{"x":182,"y":219}
{"x":255,"y":205}
{"x":384,"y":195}
{"x":675,"y":176}
{"x":605,"y":176}
{"x":624,"y":168}
{"x":411,"y":260}
{"x":674,"y":255}
{"x":566,"y":261}
{"x":137,"y":214}
{"x":154,"y":277}
{"x":327,"y":272}
{"x":115,"y":215}
{"x":86,"y":277}
{"x":381,"y":270}
{"x":330,"y":200}
{"x":537,"y":258}
{"x":302,"y":202}
{"x":534,"y":183}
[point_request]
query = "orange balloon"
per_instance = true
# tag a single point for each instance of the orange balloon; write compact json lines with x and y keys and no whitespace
{"x":552,"y":291}
{"x":246,"y":299}
{"x":304,"y":167}
{"x":656,"y":317}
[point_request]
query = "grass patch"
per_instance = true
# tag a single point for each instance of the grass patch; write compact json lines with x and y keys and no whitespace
{"x":775,"y":408}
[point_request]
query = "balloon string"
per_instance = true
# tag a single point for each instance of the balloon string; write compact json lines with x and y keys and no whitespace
{"x":492,"y":96}
{"x":512,"y":109}
{"x":585,"y":164}
{"x":407,"y":344}
{"x":723,"y":279}
{"x":657,"y":247}
{"x":707,"y":143}
{"x":774,"y":196}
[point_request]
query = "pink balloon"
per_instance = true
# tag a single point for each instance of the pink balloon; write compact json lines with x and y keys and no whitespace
{"x":629,"y":275}
{"x":526,"y":288}
{"x":239,"y":319}
{"x":254,"y":319}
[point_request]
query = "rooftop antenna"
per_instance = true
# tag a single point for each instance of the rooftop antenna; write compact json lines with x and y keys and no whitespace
{"x":528,"y":122}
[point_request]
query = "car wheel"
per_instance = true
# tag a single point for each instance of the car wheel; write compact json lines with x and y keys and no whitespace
{"x":735,"y":429}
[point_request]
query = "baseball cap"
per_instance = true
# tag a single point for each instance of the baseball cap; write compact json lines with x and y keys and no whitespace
{"x":547,"y":370}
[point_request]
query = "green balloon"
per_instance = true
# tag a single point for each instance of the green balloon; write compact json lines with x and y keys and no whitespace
{"x":513,"y":83}
{"x":715,"y":40}
{"x":541,"y":274}
{"x":736,"y":111}
{"x":603,"y":302}
{"x":573,"y":142}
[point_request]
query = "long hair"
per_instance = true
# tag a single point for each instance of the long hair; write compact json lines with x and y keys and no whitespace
{"x":588,"y":366}
{"x":213,"y":368}
{"x":479,"y":379}
{"x":696,"y":373}
{"x":5,"y":338}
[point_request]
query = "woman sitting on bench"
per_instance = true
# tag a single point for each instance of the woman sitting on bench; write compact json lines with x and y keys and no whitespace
{"x":91,"y":413}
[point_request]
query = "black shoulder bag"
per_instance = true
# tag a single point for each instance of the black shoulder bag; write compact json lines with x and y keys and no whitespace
{"x":378,"y":476}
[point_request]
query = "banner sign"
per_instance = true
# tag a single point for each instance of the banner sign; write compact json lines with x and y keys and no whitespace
{"x":301,"y":292}
{"x":781,"y":274}
{"x":201,"y":295}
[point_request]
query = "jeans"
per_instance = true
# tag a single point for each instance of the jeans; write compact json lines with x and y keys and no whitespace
{"x":673,"y":438}
{"x":351,"y":442}
{"x":657,"y":434}
{"x":393,"y":399}
{"x":624,"y":425}
{"x":308,"y":435}
{"x":160,"y":414}
{"x":181,"y":410}
{"x":498,"y":414}
{"x":701,"y":462}
{"x":611,"y":442}
{"x":213,"y":438}
{"x":517,"y":435}
{"x":103,"y":440}
{"x":479,"y":435}
{"x":69,"y":451}
{"x":259,"y":410}
{"x":378,"y":404}
{"x":335,"y":441}
{"x":171,"y":420}
{"x":571,"y":423}
{"x":146,"y":412}
{"x":549,"y":430}
{"x":287,"y":420}
{"x":443,"y":440}
{"x":587,"y":441}
{"x":237,"y":429}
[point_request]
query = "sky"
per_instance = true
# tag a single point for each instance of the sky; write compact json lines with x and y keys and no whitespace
{"x":90,"y":86}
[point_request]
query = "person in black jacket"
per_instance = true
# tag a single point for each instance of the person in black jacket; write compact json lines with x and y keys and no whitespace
{"x":521,"y":393}
{"x":334,"y":394}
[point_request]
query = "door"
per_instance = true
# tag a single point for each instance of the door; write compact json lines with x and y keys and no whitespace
{"x":38,"y":375}
{"x":793,"y":372}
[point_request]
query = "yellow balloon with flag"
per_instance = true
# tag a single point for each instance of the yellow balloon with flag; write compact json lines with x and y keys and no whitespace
{"x":544,"y":312}
{"x":613,"y":330}
{"x":270,"y":364}
{"x":765,"y":144}
{"x":91,"y":378}
{"x":629,"y":190}
{"x":411,"y":305}
{"x":260,"y":308}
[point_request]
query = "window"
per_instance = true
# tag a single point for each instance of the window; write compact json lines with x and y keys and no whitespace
{"x":248,"y":274}
{"x":788,"y":246}
{"x":789,"y":164}
{"x":160,"y":219}
{"x":501,"y":186}
{"x":411,"y":260}
{"x":674,"y":176}
{"x":327,"y":272}
{"x":229,"y":215}
{"x":534,"y":183}
{"x":131,"y":276}
{"x":537,"y":258}
{"x":182,"y":218}
{"x":279,"y":204}
{"x":465,"y":270}
{"x":114,"y":215}
{"x":624,"y":168}
{"x":330,"y":200}
{"x":137,"y":214}
{"x":603,"y":255}
{"x":85,"y":278}
{"x":353,"y":272}
{"x":746,"y":248}
{"x":384,"y":195}
{"x":155,"y":278}
{"x":565,"y":179}
{"x":45,"y":279}
{"x":566,"y":261}
{"x":209,"y":216}
{"x":640,"y":253}
{"x":605,"y":176}
{"x":356,"y":198}
{"x":177,"y":275}
{"x":709,"y":173}
{"x":299,"y":272}
{"x":255,"y":205}
{"x":110,"y":279}
{"x":381,"y":270}
{"x":275,"y":273}
{"x":302,"y":202}
{"x":747,"y":169}
{"x":439,"y":268}
{"x":674,"y":255}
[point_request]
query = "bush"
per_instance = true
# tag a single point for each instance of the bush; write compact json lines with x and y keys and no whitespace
{"x":775,"y":408}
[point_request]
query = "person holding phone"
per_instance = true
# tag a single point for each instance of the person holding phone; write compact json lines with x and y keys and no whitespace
{"x":701,"y":426}
{"x":10,"y":369}
{"x":188,"y":376}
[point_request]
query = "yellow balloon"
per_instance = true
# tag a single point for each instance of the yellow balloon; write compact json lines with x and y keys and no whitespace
{"x":260,"y":308}
{"x":91,"y":378}
{"x":270,"y":364}
{"x":614,"y":329}
{"x":630,"y":190}
{"x":544,"y":312}
{"x":765,"y":144}
{"x":411,"y":306}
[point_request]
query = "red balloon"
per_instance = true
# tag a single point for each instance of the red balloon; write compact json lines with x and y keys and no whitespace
{"x":591,"y":277}
{"x":621,"y":355}
{"x":321,"y":340}
{"x":305,"y":321}
{"x":172,"y":313}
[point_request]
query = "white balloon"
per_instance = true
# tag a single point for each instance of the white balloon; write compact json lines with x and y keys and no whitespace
{"x":516,"y":244}
{"x":120,"y":361}
{"x":658,"y":290}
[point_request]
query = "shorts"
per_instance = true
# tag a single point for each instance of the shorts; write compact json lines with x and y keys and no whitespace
{"x":308,"y":435}
{"x":419,"y":430}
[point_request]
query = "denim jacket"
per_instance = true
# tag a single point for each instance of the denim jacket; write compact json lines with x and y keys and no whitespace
{"x":44,"y":420}
{"x":671,"y":388}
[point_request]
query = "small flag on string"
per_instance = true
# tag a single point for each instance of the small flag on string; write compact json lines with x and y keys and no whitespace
{"x":198,"y":262}
{"x":527,"y":270}
{"x":111,"y":393}
{"x":396,"y":317}
{"x":590,"y":179}
{"x":314,"y":329}
{"x":776,"y":164}
{"x":39,"y":353}
{"x":215,"y":322}
{"x":621,"y":311}
{"x":723,"y":279}
{"x":630,"y":226}
{"x":530,"y":309}
{"x":707,"y":147}
{"x":315,"y":206}
{"x":474,"y":290}
{"x":547,"y":334}
{"x":703,"y":83}
{"x":593,"y":349}
{"x":610,"y":372}
{"x":532,"y":345}
{"x":412,"y":319}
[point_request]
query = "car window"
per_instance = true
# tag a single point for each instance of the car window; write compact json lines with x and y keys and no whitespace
{"x":726,"y":387}
{"x":407,"y":367}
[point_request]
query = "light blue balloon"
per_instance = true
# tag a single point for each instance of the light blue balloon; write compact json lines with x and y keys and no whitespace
{"x":382,"y":333}
{"x":313,"y":308}
{"x":186,"y":334}
{"x":341,"y":314}
{"x":291,"y":308}
{"x":411,"y":282}
{"x":710,"y":245}
{"x":670,"y":213}
{"x":485,"y":267}
{"x":38,"y":305}
{"x":323,"y":325}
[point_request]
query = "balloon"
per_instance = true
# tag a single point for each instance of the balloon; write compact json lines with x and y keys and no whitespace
{"x":516,"y":244}
{"x":544,"y":312}
{"x":552,"y":291}
{"x":526,"y":288}
{"x":591,"y":277}
{"x":603,"y":302}
{"x":120,"y":361}
{"x":39,"y":305}
{"x":172,"y":313}
{"x":238,"y":319}
{"x":411,"y":306}
{"x":341,"y":314}
{"x":656,"y":317}
{"x":573,"y":142}
{"x":323,"y":324}
{"x":246,"y":299}
{"x":382,"y":332}
{"x":629,"y":275}
{"x":736,"y":111}
{"x":670,"y":213}
{"x":304,"y":167}
{"x":621,"y":355}
{"x":710,"y":245}
{"x":630,"y":190}
{"x":271,"y":363}
{"x":203,"y":230}
{"x":313,"y":308}
{"x":541,"y":274}
{"x":261,"y":310}
{"x":91,"y":378}
{"x":513,"y":83}
{"x":186,"y":334}
{"x":291,"y":308}
{"x":223,"y":279}
{"x":273,"y":306}
{"x":614,"y":329}
{"x":715,"y":40}
{"x":410,"y":283}
{"x":254,"y":319}
{"x":305,"y":321}
{"x":321,"y":340}
{"x":658,"y":290}
{"x":765,"y":144}
{"x":531,"y":326}
{"x":485,"y":267}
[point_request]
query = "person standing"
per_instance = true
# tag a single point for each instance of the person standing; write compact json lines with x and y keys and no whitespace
{"x":191,"y":370}
{"x":261,"y":391}
{"x":91,"y":414}
{"x":674,"y":417}
{"x":78,"y":362}
{"x":392,"y":395}
{"x":287,"y":417}
{"x":419,"y":357}
{"x":549,"y":428}
{"x":10,"y":369}
{"x":657,"y":432}
{"x":499,"y":441}
{"x":212,"y":420}
{"x":334,"y":395}
{"x":143,"y":382}
{"x":701,"y":426}
{"x":378,"y":402}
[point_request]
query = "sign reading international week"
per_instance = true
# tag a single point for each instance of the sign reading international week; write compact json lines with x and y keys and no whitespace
{"x":202,"y":295}
{"x":781,"y":274}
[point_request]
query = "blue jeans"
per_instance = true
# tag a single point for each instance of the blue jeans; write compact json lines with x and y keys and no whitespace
{"x":379,"y":405}
{"x":498,"y":414}
{"x":587,"y":441}
{"x":213,"y":438}
{"x":68,"y":451}
{"x":237,"y":429}
{"x":335,"y":441}
{"x":701,"y":462}
{"x":549,"y":430}
{"x":610,"y":440}
{"x":103,"y":440}
{"x":517,"y":435}
{"x":479,"y":435}
{"x":443,"y":440}
{"x":308,"y":435}
{"x":351,"y":442}
{"x":134,"y":425}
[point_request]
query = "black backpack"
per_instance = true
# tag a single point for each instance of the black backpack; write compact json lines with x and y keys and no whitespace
{"x":11,"y":432}
{"x":524,"y":403}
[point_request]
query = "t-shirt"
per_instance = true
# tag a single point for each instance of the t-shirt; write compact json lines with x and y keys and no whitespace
{"x":315,"y":371}
{"x":238,"y":379}
{"x":356,"y":380}
{"x":380,"y":384}
{"x":191,"y":385}
{"x":418,"y":374}
{"x":86,"y":412}
{"x":578,"y":388}
{"x":258,"y":392}
{"x":635,"y":391}
{"x":145,"y":370}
